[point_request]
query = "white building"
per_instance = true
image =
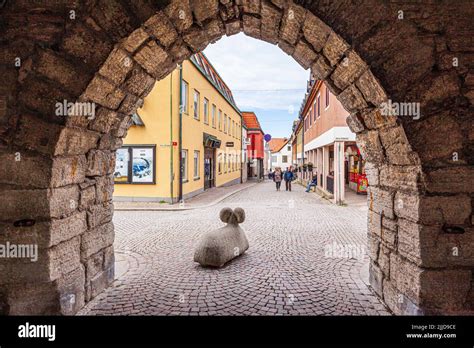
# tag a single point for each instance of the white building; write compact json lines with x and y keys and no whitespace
{"x":280,"y":149}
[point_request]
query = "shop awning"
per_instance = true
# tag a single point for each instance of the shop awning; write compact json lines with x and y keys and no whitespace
{"x":210,"y":140}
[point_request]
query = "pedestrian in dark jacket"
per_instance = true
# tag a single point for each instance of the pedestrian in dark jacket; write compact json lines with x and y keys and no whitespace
{"x":277,"y":176}
{"x":288,"y":177}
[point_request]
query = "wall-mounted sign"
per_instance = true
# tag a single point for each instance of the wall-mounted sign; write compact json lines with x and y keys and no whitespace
{"x":122,"y":160}
{"x":142,"y":165}
{"x":135,"y":165}
{"x":229,"y":144}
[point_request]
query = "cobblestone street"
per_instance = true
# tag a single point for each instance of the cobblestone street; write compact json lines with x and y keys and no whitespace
{"x":286,"y":270}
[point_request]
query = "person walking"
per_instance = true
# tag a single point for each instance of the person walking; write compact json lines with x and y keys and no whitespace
{"x":271,"y":174}
{"x":288,"y":177}
{"x":313,"y":182}
{"x":277,"y":177}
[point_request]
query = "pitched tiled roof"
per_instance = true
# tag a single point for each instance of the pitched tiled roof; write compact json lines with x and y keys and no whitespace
{"x":251,"y":120}
{"x":276,"y":144}
{"x":206,"y":68}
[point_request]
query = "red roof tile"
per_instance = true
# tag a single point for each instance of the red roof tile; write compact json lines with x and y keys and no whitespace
{"x":251,"y":120}
{"x":276,"y":144}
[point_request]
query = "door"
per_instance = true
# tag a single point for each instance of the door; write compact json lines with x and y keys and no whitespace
{"x":209,"y":168}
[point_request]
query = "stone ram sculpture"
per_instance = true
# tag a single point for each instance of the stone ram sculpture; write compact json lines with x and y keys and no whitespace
{"x":224,"y":244}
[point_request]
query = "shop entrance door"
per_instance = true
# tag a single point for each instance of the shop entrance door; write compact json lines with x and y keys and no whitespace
{"x":209,"y":168}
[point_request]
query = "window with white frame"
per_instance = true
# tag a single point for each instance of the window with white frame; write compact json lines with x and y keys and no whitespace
{"x":213,"y":115}
{"x":318,"y":105}
{"x":219,"y":163}
{"x":196,"y":164}
{"x":220,"y":120}
{"x":327,"y":97}
{"x":184,"y":96}
{"x":184,"y":165}
{"x":206,"y":110}
{"x":284,"y":159}
{"x":196,"y":105}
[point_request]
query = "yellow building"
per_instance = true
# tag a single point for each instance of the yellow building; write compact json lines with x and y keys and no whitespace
{"x":189,"y":121}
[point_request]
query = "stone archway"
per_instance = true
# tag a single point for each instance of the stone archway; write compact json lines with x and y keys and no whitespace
{"x":56,"y":184}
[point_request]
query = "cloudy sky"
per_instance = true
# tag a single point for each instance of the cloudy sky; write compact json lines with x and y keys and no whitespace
{"x":262,"y":78}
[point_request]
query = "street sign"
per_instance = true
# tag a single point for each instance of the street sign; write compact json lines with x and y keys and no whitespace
{"x":229,"y":144}
{"x":175,"y":143}
{"x":267,"y":137}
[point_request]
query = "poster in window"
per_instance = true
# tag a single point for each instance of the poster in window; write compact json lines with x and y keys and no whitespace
{"x":142,"y":165}
{"x":121,"y":165}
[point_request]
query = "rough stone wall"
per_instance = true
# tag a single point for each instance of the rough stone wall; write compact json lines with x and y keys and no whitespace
{"x":110,"y":54}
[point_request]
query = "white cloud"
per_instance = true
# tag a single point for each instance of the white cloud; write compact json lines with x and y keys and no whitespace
{"x":259,"y":74}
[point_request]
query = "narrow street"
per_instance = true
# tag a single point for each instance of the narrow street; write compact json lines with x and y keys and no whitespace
{"x":286,"y":271}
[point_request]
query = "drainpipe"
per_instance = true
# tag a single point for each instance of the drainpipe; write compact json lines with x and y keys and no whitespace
{"x":171,"y":140}
{"x":180,"y":142}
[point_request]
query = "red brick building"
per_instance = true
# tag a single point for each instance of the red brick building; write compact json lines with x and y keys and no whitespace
{"x":255,"y":147}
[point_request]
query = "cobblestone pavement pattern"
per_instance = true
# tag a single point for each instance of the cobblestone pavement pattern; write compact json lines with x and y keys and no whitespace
{"x":285,"y":271}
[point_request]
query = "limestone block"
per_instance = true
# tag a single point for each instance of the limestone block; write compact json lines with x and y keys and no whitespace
{"x":160,"y":27}
{"x":315,"y":32}
{"x":204,"y":9}
{"x":271,"y":18}
{"x":117,"y":66}
{"x":293,"y":19}
{"x":103,"y":92}
{"x":304,"y":54}
{"x":251,"y":26}
{"x":135,"y":39}
{"x":153,"y":59}
{"x":222,"y":245}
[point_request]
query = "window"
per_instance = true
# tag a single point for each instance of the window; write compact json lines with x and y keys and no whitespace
{"x":310,"y":118}
{"x":184,"y":165}
{"x":213,"y":116}
{"x":319,"y":105}
{"x":135,"y":165}
{"x":225,"y":123}
{"x":274,"y":159}
{"x":327,"y":97}
{"x":228,"y":126}
{"x":314,"y":112}
{"x":225,"y":163}
{"x":196,"y":164}
{"x":184,"y":97}
{"x":284,"y":159}
{"x":196,"y":105}
{"x":220,"y":119}
{"x":233,"y":129}
{"x":206,"y":111}
{"x":288,"y":148}
{"x":219,"y":163}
